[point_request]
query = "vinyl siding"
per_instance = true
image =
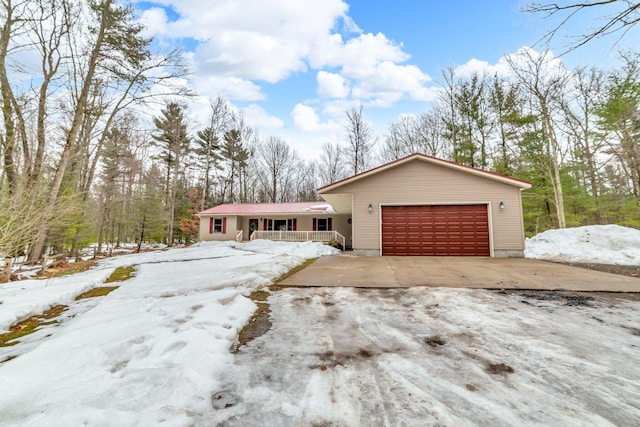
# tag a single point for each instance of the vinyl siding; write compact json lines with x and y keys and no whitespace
{"x":303,"y":223}
{"x":416,"y":183}
{"x":230,"y":228}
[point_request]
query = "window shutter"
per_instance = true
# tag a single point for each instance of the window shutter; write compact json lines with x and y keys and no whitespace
{"x":264,"y":224}
{"x":315,"y":224}
{"x":224,"y":225}
{"x":295,"y":225}
{"x":329,"y":228}
{"x":210,"y":225}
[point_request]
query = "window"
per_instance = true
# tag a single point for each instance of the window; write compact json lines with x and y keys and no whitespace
{"x":281,"y":224}
{"x":322,"y":224}
{"x":218,"y":225}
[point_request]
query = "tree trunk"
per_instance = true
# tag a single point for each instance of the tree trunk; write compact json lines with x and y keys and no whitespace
{"x":555,"y":178}
{"x":171,"y":218}
{"x":8,"y":263}
{"x":142,"y":226}
{"x":38,"y":246}
{"x":7,"y":103}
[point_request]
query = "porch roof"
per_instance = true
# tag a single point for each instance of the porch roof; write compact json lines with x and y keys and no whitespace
{"x":318,"y":207}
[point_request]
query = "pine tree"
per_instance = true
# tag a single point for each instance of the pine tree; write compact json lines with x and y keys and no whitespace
{"x":173,"y":143}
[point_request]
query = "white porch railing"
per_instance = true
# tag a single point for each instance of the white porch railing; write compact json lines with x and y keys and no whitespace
{"x":300,"y":236}
{"x":239,"y":236}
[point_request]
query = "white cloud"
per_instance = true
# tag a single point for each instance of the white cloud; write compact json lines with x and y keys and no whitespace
{"x":523,"y":57}
{"x":232,"y":88}
{"x":527,"y":58}
{"x":306,"y":119}
{"x":475,"y":66}
{"x":252,"y":39}
{"x":374,"y":64}
{"x":332,"y":85}
{"x":388,"y":82}
{"x":355,"y":55}
{"x":257,"y":116}
{"x":240,"y":43}
{"x":336,"y":108}
{"x":154,"y":21}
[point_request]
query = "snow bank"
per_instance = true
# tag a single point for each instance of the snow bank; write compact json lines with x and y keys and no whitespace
{"x":303,"y":250}
{"x":604,"y":244}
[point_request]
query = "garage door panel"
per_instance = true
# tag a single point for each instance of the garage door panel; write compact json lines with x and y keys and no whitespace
{"x":440,"y":230}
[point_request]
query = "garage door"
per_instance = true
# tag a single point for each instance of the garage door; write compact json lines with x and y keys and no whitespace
{"x":435,"y":230}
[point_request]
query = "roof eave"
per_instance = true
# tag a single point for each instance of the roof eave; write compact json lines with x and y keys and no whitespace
{"x":485,"y":174}
{"x":207,"y":214}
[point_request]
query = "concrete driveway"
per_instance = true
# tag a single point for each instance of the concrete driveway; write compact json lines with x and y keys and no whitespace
{"x":457,"y":272}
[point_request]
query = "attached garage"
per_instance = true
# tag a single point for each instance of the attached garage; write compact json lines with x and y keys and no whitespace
{"x":424,"y":206}
{"x":436,"y":230}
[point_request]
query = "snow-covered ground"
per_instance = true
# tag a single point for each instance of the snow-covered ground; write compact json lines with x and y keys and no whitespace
{"x":438,"y":356}
{"x":152,"y":351}
{"x":157,"y":350}
{"x":603,"y":244}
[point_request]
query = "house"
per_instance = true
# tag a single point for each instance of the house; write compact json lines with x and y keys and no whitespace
{"x":300,"y":221}
{"x":415,"y":206}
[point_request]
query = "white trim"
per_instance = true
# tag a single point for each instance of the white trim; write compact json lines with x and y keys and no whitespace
{"x":486,"y":203}
{"x":490,"y":219}
{"x":268,"y":214}
{"x":380,"y":206}
{"x":353,"y":218}
{"x":521,"y":213}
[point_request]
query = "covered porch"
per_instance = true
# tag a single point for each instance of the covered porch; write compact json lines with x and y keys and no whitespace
{"x":301,"y":236}
{"x":294,"y":222}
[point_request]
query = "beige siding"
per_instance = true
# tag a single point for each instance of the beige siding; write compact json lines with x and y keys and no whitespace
{"x":232,"y":225}
{"x":418,"y":182}
{"x":303,"y":223}
{"x":342,"y":226}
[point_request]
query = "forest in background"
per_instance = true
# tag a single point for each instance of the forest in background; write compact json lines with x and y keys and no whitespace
{"x":80,"y":163}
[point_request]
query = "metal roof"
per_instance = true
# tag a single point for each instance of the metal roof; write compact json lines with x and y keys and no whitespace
{"x":269,"y":208}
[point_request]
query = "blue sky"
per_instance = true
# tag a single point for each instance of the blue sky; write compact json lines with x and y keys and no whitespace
{"x":293,"y":67}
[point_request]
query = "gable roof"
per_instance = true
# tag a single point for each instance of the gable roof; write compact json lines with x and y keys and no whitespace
{"x":269,"y":208}
{"x":432,"y":160}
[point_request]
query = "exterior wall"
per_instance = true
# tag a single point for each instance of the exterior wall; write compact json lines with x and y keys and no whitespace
{"x":304,"y":222}
{"x":232,"y":224}
{"x":342,"y":226}
{"x":418,"y":182}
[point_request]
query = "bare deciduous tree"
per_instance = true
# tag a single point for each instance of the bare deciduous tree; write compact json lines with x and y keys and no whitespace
{"x":544,"y":80}
{"x":359,"y":139}
{"x":618,"y":16}
{"x":13,"y":23}
{"x":330,"y":164}
{"x":278,"y":162}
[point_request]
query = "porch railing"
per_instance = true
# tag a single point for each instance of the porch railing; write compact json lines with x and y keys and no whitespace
{"x":300,"y":236}
{"x":239,"y":235}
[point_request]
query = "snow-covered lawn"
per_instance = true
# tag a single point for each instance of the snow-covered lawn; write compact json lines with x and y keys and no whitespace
{"x":157,"y":350}
{"x":152,"y":351}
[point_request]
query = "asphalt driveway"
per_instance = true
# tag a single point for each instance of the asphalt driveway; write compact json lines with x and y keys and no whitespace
{"x":457,"y":272}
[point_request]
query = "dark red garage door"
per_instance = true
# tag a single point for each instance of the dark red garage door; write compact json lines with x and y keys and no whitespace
{"x":435,"y":230}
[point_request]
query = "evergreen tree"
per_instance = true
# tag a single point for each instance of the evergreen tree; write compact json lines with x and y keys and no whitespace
{"x":173,"y":143}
